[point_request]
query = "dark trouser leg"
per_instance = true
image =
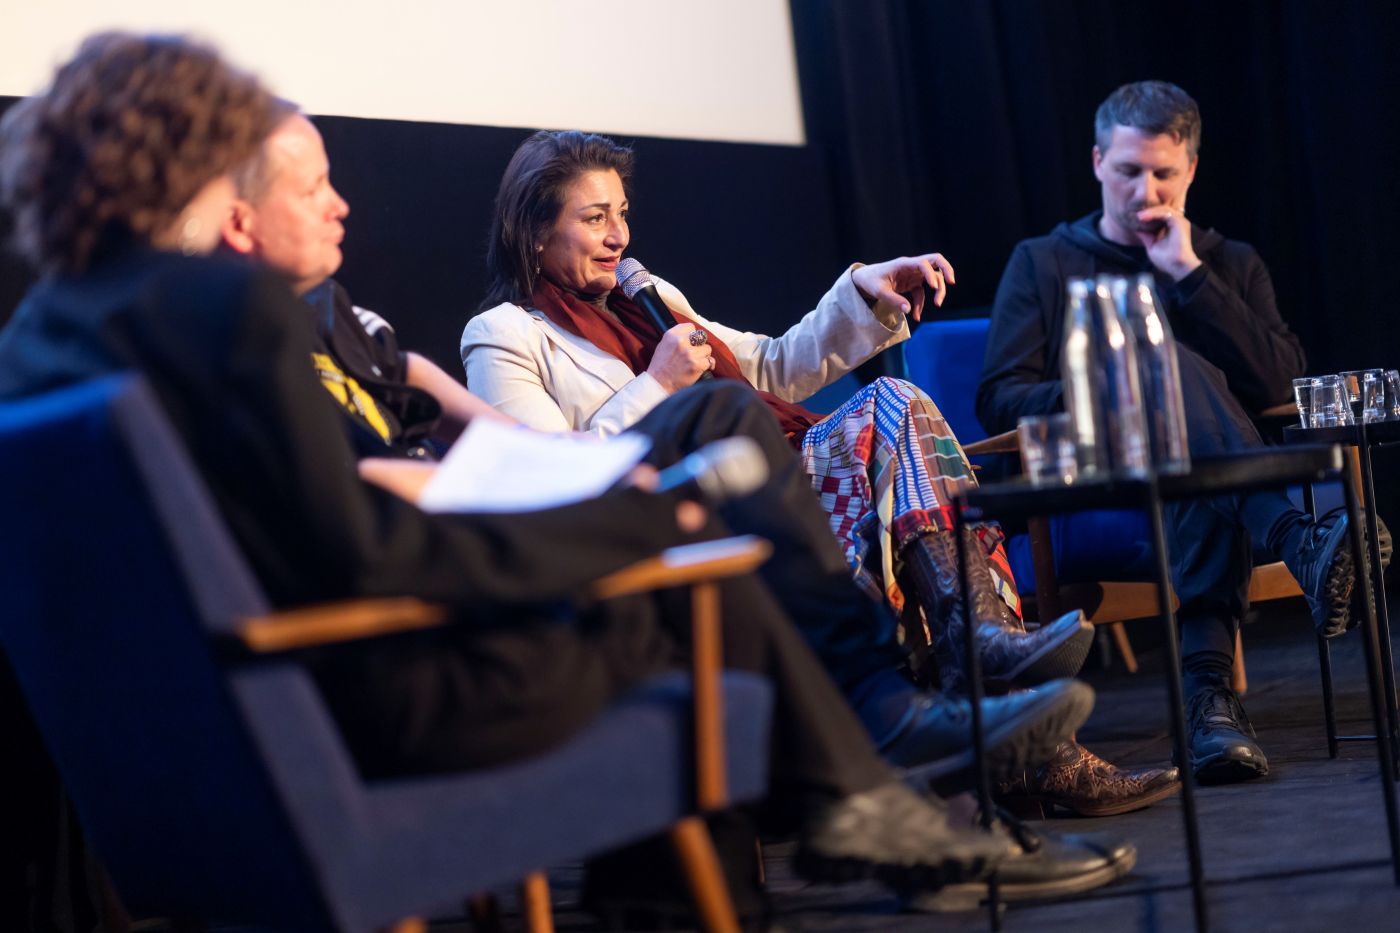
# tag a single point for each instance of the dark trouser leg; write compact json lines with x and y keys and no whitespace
{"x":852,"y":635}
{"x":1211,"y":539}
{"x":460,"y":698}
{"x":1217,"y":424}
{"x":1210,"y":558}
{"x":1314,"y":552}
{"x":478,"y":694}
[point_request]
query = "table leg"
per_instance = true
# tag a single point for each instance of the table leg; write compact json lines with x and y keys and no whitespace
{"x":1178,"y":718}
{"x":1324,"y":651}
{"x":1375,"y":578}
{"x":1329,"y":711}
{"x":1370,"y":641}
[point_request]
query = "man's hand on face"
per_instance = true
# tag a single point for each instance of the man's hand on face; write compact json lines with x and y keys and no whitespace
{"x":1166,"y":235}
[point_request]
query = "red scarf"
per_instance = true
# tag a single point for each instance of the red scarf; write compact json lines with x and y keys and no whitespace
{"x":632,"y":338}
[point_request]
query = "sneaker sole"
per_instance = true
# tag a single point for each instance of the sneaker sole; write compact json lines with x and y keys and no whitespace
{"x":1054,"y":660}
{"x":961,"y":897}
{"x":954,"y":868}
{"x":1017,"y":744}
{"x":1356,"y":607}
{"x":1337,"y":591}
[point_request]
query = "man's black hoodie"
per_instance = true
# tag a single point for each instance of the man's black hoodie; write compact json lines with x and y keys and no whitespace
{"x":1224,"y":311}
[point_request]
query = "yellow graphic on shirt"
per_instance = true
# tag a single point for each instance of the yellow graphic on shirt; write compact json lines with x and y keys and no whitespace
{"x":345,"y":390}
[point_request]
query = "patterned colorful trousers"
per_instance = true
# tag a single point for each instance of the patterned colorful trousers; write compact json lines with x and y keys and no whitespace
{"x":886,"y":467}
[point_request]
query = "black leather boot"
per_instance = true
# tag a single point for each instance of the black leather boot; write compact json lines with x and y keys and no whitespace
{"x":1223,"y":749}
{"x":1010,"y":656}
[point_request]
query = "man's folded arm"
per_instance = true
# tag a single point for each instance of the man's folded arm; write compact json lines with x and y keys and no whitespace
{"x":1243,"y":334}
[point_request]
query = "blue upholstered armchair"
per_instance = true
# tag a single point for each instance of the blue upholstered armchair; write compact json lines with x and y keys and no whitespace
{"x":201,"y":760}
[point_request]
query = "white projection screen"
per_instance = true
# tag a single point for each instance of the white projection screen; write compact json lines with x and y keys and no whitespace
{"x":721,"y":70}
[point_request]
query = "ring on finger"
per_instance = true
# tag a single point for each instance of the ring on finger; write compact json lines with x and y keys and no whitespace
{"x":697,"y":337}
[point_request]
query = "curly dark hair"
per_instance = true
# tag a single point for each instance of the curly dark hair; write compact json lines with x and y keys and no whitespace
{"x":529,"y":200}
{"x":128,"y":132}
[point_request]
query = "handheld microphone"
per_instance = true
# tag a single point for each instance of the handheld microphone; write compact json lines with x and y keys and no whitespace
{"x":721,"y":470}
{"x":635,"y":282}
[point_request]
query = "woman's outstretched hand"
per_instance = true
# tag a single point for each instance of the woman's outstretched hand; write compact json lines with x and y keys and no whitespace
{"x":900,"y":281}
{"x":679,"y":362}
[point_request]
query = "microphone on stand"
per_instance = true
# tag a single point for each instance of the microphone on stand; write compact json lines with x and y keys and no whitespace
{"x":635,"y":282}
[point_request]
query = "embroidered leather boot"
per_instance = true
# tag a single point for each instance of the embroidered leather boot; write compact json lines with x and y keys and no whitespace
{"x":1010,"y":656}
{"x":1080,"y":781}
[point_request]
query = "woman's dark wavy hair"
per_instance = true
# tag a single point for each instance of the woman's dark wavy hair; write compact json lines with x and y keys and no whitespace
{"x":529,"y":200}
{"x":128,"y":132}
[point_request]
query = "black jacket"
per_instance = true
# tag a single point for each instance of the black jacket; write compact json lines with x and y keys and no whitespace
{"x":1224,"y":311}
{"x":403,"y":416}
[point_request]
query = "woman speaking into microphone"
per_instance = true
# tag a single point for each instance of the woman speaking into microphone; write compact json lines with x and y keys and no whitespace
{"x":562,"y":346}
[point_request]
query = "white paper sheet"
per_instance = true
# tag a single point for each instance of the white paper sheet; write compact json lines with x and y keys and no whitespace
{"x":496,"y":467}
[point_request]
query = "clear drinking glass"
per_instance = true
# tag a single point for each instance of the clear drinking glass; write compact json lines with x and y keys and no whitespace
{"x":1391,"y":402}
{"x":1373,"y":395}
{"x":1331,"y":406}
{"x":1354,"y":382}
{"x":1049,"y":449}
{"x":1303,"y":398}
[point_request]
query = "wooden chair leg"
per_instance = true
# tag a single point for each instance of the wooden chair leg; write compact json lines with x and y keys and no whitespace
{"x":534,"y":903}
{"x":700,"y":863}
{"x":1238,"y":680}
{"x":1353,"y":458}
{"x":707,"y":650}
{"x":1125,"y":647}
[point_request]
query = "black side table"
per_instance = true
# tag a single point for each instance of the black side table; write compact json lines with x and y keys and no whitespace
{"x":1236,"y":473}
{"x":1361,"y":439}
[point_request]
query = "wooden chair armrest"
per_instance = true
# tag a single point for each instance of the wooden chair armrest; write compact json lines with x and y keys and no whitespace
{"x":1004,"y":443}
{"x":356,"y":619}
{"x":687,"y":564}
{"x":332,"y":623}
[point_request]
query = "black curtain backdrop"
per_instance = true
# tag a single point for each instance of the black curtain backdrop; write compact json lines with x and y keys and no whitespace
{"x":968,"y":126}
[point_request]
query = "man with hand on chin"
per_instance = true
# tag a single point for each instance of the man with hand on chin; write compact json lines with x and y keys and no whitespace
{"x":1236,"y":356}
